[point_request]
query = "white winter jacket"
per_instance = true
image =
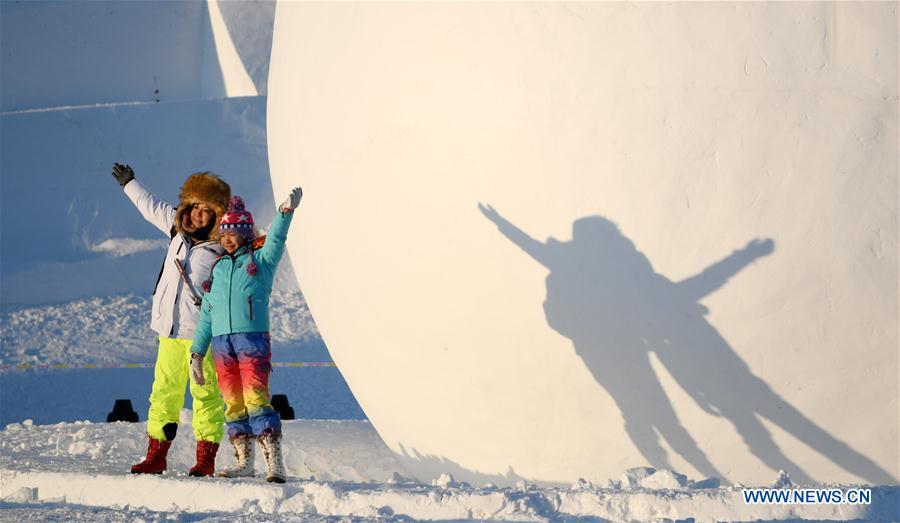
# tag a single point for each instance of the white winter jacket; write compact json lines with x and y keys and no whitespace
{"x":174,"y":314}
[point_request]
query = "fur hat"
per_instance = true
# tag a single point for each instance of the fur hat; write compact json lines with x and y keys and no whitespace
{"x":205,"y":188}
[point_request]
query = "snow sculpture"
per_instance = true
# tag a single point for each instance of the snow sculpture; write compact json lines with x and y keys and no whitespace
{"x":551,"y":241}
{"x":135,"y":52}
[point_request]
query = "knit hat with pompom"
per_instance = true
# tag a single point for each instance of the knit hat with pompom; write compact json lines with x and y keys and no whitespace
{"x":237,"y":219}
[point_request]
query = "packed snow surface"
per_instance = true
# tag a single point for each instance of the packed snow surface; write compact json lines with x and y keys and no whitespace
{"x":339,"y":469}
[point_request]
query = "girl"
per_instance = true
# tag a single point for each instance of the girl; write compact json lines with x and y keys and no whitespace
{"x":234,"y":314}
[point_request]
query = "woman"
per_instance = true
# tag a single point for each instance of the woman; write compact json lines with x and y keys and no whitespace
{"x":193,"y":230}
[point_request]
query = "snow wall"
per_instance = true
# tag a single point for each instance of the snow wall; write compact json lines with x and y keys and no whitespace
{"x":85,"y":52}
{"x":552,"y":241}
{"x":169,"y":87}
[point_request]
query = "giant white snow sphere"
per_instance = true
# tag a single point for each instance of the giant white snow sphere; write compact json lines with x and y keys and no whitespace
{"x":556,"y":241}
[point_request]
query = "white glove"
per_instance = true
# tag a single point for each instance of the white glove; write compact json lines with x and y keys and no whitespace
{"x":293,"y":200}
{"x":197,"y":369}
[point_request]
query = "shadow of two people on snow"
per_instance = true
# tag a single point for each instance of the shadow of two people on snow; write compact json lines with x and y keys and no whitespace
{"x":603,"y":294}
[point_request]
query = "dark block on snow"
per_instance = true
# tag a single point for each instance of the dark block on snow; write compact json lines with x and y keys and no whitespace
{"x":122,"y":411}
{"x":282,"y":407}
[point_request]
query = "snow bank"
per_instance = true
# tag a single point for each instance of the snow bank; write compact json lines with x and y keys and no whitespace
{"x":125,"y":246}
{"x":111,"y":330}
{"x":101,"y":330}
{"x":339,"y":469}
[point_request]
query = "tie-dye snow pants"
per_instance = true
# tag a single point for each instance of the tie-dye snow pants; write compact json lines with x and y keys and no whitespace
{"x":243,"y":364}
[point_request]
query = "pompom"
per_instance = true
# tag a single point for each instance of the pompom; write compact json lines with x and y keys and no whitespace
{"x":252,"y":269}
{"x":206,"y":285}
{"x":236,"y":204}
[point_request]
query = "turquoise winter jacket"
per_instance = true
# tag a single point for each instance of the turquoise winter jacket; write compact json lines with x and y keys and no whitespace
{"x":237,"y":301}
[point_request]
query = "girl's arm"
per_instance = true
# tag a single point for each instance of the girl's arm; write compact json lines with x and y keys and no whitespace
{"x":273,"y":249}
{"x":155,"y":211}
{"x":270,"y":253}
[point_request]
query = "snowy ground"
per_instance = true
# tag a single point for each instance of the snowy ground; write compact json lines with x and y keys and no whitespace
{"x":338,"y":469}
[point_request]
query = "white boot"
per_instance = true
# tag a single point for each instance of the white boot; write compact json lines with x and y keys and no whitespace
{"x":243,"y":457}
{"x":271,"y":445}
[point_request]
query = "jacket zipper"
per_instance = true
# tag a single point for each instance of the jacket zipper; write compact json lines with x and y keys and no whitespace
{"x":230,"y":281}
{"x":172,"y":234}
{"x":250,"y":302}
{"x":234,"y":258}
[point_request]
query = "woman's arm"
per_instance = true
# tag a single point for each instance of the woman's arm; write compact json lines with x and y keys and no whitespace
{"x":155,"y":211}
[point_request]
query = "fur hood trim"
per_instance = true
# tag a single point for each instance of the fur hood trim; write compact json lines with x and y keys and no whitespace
{"x":206,"y":188}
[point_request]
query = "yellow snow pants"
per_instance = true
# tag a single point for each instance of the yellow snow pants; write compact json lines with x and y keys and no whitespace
{"x":170,"y":376}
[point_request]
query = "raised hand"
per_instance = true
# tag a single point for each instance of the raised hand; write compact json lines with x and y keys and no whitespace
{"x":758,"y":247}
{"x":293,"y":200}
{"x":489,"y":212}
{"x":122,"y":173}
